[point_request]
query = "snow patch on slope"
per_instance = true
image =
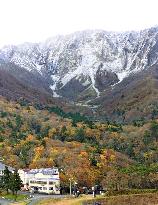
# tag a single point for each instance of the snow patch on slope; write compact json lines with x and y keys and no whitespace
{"x":82,"y":54}
{"x":54,"y":86}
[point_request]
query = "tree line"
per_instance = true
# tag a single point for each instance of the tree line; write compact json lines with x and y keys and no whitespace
{"x":10,"y":181}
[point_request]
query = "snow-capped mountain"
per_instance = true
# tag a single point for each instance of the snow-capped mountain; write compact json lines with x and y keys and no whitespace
{"x":82,"y":65}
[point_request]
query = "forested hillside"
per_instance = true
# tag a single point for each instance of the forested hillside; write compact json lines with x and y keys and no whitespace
{"x":90,"y":152}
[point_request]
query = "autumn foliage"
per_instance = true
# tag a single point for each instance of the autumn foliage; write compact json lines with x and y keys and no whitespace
{"x":85,"y":151}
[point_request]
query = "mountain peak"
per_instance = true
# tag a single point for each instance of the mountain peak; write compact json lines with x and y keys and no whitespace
{"x":83,"y":64}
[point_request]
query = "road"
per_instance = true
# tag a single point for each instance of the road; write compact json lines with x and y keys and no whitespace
{"x":35,"y":198}
{"x":38,"y":197}
{"x":4,"y":202}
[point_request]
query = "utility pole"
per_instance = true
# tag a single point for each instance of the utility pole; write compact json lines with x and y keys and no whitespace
{"x":70,"y":186}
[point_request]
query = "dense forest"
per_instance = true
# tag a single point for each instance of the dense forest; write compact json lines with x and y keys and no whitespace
{"x":90,"y":152}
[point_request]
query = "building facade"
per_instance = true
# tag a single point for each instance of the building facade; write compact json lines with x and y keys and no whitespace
{"x":41,"y":180}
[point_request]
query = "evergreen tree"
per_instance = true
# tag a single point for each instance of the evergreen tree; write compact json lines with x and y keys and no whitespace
{"x":15,"y":182}
{"x":5,"y":180}
{"x":80,"y":135}
{"x":154,"y":130}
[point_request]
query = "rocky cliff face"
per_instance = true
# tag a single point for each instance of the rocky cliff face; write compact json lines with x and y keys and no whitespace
{"x":81,"y":66}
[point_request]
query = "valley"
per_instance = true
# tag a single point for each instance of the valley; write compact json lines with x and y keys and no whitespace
{"x":111,"y":72}
{"x":86,"y":103}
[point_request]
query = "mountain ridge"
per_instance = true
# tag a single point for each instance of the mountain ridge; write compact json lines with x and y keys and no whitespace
{"x":82,"y":66}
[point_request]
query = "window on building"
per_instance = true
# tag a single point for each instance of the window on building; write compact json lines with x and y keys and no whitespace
{"x":41,"y":182}
{"x":32,"y":182}
{"x":51,"y":183}
{"x":44,"y":188}
{"x":38,"y":182}
{"x":50,"y":188}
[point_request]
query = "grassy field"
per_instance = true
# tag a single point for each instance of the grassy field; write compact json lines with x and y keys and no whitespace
{"x":19,"y":203}
{"x":19,"y":199}
{"x":66,"y":201}
{"x":135,"y":199}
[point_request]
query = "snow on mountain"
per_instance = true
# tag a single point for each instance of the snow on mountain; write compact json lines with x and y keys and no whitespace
{"x":87,"y":61}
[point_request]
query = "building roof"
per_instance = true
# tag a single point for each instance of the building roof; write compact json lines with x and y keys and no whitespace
{"x":44,"y":171}
{"x":44,"y":179}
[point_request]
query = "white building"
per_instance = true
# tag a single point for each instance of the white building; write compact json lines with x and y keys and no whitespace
{"x":42,"y":180}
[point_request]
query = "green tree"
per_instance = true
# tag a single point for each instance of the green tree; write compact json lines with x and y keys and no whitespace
{"x":5,"y":180}
{"x":147,"y":137}
{"x":15,"y":182}
{"x":154,"y":130}
{"x":80,"y":135}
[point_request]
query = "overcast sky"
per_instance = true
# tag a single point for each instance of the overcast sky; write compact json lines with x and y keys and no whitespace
{"x":37,"y":20}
